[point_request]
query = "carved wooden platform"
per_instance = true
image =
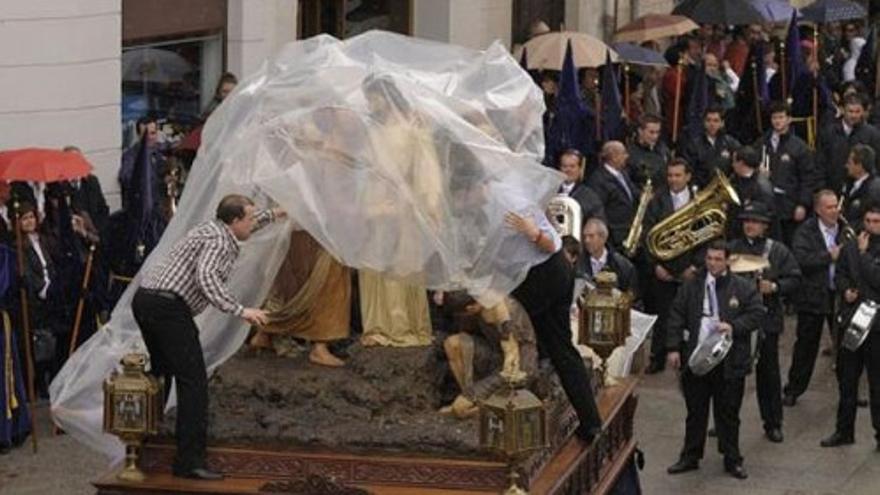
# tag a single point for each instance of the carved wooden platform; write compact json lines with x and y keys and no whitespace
{"x":571,"y":468}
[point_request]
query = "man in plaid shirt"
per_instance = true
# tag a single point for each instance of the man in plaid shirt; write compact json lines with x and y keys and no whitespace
{"x":192,"y":276}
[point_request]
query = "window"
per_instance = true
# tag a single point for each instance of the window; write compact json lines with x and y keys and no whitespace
{"x":347,"y":18}
{"x":171,"y":80}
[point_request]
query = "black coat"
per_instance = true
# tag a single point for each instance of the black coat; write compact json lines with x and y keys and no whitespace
{"x":834,"y":147}
{"x":855,"y":204}
{"x":808,"y":247}
{"x":619,"y":207}
{"x":659,"y":208}
{"x":89,"y":198}
{"x":705,"y":158}
{"x":792,"y":173}
{"x":645,"y":162}
{"x":627,"y":278}
{"x":751,"y":189}
{"x":859,"y":271}
{"x":591,"y":205}
{"x":739,"y":304}
{"x":783,"y":270}
{"x":44,"y":313}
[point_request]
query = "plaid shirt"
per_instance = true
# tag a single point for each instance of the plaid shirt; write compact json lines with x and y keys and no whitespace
{"x":199,"y":265}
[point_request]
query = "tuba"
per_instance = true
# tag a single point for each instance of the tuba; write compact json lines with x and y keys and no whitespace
{"x":565,"y":214}
{"x":702,"y":220}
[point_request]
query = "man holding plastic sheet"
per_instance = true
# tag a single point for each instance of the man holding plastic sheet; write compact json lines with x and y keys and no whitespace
{"x":858,"y":281}
{"x":715,"y":301}
{"x":192,"y":276}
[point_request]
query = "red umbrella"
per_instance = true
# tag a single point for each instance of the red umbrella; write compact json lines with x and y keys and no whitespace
{"x":191,"y":141}
{"x":42,"y":165}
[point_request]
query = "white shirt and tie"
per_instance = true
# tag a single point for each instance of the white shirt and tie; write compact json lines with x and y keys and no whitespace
{"x":829,"y":234}
{"x":566,"y":188}
{"x":774,"y":142}
{"x":679,"y":199}
{"x":597,"y":264}
{"x":857,"y":184}
{"x":711,"y":316}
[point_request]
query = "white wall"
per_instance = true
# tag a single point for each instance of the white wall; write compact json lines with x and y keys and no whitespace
{"x":256,"y":30}
{"x":471,"y":23}
{"x":60,"y":78}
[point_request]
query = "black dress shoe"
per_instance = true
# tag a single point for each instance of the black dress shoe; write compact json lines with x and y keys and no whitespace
{"x":683,"y":466}
{"x":200,"y":474}
{"x":4,"y":450}
{"x":774,"y":435}
{"x":711,"y":433}
{"x":737,"y":471}
{"x":789,"y":400}
{"x":587,"y":434}
{"x":862,"y":403}
{"x":836,"y":440}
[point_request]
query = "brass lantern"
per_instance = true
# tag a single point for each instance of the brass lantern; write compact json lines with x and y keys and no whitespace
{"x":513,"y":423}
{"x":133,"y":404}
{"x":605,"y":320}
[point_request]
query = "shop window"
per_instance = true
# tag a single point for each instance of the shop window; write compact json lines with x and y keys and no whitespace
{"x":173,"y":81}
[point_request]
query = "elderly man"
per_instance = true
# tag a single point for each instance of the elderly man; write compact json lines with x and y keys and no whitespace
{"x":597,"y":257}
{"x":619,"y":194}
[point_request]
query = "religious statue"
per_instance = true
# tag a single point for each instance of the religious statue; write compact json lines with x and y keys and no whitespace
{"x":496,"y":347}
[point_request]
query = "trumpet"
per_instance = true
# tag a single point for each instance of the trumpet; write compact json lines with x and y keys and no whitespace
{"x":631,"y":243}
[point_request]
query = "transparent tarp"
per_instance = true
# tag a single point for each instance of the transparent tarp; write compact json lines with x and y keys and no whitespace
{"x":396,"y":154}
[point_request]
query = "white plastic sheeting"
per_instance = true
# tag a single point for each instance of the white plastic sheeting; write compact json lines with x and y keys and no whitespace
{"x":396,"y":154}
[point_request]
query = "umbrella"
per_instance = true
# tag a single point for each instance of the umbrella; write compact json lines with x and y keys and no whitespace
{"x":153,"y":65}
{"x":774,"y":10}
{"x":730,"y":12}
{"x":824,"y":11}
{"x":42,"y":165}
{"x":548,"y":50}
{"x":191,"y":141}
{"x":637,"y":55}
{"x":655,"y":26}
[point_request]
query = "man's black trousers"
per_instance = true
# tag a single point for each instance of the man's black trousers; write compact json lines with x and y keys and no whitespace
{"x":806,"y":349}
{"x":546,"y":296}
{"x":768,"y":381}
{"x":849,"y":369}
{"x":726,"y":396}
{"x":172,"y":340}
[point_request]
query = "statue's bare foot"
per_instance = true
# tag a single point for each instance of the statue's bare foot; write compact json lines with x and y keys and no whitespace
{"x":261,"y":340}
{"x":321,"y":355}
{"x":463,"y":407}
{"x":446,"y":410}
{"x":369,"y":341}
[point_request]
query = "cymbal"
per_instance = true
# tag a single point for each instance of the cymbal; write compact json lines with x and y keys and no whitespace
{"x":747,"y":263}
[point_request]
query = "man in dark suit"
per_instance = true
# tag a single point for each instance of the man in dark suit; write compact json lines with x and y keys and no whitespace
{"x":663,"y":278}
{"x":597,"y":257}
{"x":816,"y":247}
{"x":862,"y":187}
{"x":837,"y":140}
{"x":711,"y":150}
{"x":648,"y":154}
{"x":618,"y":193}
{"x":781,"y":278}
{"x":87,"y":197}
{"x":791,"y":170}
{"x":750,"y":185}
{"x":858,"y":280}
{"x":713,"y":301}
{"x":571,"y":163}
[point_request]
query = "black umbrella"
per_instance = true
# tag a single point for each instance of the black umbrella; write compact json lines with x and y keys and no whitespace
{"x":729,"y":12}
{"x":823,"y":11}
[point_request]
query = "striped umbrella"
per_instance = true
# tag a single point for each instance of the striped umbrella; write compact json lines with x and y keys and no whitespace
{"x":654,"y":26}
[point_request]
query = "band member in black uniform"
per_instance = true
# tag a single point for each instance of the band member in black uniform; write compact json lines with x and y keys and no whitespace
{"x":750,"y":185}
{"x":712,"y":150}
{"x":862,"y":187}
{"x":816,"y":247}
{"x":791,"y":170}
{"x":619,"y":194}
{"x":780,"y":279}
{"x":571,"y":163}
{"x":664,"y":277}
{"x":648,"y":154}
{"x":858,"y":280}
{"x":546,"y":296}
{"x":714,"y":301}
{"x":837,"y":139}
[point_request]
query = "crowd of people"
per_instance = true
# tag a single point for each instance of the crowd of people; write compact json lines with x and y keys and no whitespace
{"x":808,"y":205}
{"x":807,"y":182}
